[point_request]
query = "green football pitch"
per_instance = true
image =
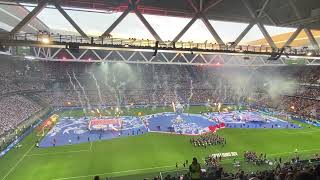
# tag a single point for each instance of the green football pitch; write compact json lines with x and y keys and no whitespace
{"x":149,"y":154}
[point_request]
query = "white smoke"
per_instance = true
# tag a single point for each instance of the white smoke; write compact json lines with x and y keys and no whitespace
{"x":277,"y":86}
{"x":78,"y":93}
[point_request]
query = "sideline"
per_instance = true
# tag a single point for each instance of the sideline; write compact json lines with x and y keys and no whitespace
{"x":17,"y":163}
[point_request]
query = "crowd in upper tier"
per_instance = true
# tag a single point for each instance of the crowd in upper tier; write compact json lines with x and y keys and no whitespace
{"x":15,"y":109}
{"x":96,"y":85}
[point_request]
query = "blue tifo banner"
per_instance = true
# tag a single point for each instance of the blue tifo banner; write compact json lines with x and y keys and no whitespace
{"x":312,"y":122}
{"x":15,"y":142}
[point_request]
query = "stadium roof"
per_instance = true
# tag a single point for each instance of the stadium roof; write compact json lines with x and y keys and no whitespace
{"x":280,"y":39}
{"x":289,"y":13}
{"x":303,"y":15}
{"x":12,"y":13}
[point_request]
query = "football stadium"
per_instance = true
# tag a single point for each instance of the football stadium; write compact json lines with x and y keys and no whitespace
{"x":94,"y":90}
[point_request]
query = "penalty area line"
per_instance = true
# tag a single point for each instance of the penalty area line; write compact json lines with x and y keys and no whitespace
{"x":119,"y":172}
{"x":17,"y":163}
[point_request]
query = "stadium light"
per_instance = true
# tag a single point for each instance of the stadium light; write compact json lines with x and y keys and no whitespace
{"x":29,"y":57}
{"x":45,"y":40}
{"x":309,"y":53}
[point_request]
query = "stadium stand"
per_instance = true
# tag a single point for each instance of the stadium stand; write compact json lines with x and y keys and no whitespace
{"x":49,"y":81}
{"x":8,"y":113}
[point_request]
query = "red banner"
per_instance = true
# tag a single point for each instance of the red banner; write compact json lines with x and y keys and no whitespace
{"x":104,"y":121}
{"x":216,"y":127}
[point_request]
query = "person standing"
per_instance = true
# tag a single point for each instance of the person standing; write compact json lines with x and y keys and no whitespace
{"x":195,"y":169}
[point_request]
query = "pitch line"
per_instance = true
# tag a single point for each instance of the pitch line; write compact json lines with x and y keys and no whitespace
{"x":15,"y":166}
{"x":303,"y":132}
{"x":306,"y":150}
{"x":119,"y":172}
{"x":78,"y":151}
{"x":46,"y":154}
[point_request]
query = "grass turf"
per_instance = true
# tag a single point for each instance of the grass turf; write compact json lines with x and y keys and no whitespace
{"x":146,"y":155}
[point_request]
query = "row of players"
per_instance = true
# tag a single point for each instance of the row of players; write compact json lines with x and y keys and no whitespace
{"x":208,"y":139}
{"x":250,"y":156}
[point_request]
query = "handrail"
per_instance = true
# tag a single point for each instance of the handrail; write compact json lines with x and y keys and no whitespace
{"x":146,"y":43}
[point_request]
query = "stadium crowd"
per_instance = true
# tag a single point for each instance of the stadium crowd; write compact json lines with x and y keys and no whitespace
{"x":72,"y":84}
{"x":15,"y":109}
{"x":161,"y":85}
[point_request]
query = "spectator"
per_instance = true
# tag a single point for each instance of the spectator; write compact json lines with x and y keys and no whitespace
{"x":195,"y":169}
{"x":303,"y":175}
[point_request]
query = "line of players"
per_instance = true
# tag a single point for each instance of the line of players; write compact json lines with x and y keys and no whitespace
{"x":250,"y":156}
{"x":208,"y":139}
{"x":213,"y":161}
